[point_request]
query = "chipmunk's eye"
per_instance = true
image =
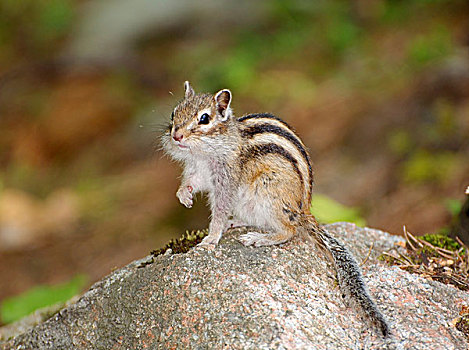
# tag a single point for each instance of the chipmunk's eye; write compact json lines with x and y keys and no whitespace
{"x":204,"y":119}
{"x":172,"y":116}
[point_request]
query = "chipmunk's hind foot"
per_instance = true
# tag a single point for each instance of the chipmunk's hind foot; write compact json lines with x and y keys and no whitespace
{"x":259,"y":239}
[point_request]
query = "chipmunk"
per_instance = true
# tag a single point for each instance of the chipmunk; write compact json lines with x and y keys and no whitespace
{"x":256,"y":170}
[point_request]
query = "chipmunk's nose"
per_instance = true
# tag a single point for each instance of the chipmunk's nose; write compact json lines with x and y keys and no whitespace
{"x":177,"y":135}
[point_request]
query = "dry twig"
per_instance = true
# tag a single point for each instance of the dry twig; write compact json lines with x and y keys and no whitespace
{"x":431,"y":261}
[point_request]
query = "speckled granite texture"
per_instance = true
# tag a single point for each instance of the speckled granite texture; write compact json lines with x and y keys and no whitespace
{"x":236,"y":297}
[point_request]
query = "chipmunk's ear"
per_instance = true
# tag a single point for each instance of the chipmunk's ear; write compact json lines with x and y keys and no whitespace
{"x":189,"y":91}
{"x":223,"y":100}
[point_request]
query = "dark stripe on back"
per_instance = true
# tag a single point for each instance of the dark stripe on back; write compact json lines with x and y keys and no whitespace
{"x":258,"y":151}
{"x":263,"y":115}
{"x":274,"y":129}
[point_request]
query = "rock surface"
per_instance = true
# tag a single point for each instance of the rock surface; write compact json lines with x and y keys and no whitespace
{"x":237,"y":297}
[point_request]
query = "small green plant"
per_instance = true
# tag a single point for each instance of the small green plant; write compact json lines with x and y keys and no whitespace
{"x":14,"y":308}
{"x":328,"y":210}
{"x":441,"y":241}
{"x":182,"y":245}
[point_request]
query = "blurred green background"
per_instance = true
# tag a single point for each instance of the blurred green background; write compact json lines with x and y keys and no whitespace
{"x":378,"y":90}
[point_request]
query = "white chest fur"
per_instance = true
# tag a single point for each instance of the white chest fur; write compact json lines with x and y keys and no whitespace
{"x":201,"y":174}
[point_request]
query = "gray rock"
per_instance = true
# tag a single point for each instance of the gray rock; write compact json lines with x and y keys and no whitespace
{"x":237,"y":297}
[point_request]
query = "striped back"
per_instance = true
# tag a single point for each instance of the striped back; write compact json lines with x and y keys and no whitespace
{"x":269,"y":134}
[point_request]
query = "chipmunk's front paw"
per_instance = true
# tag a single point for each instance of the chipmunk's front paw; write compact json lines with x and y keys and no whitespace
{"x":184,"y":195}
{"x":209,"y":242}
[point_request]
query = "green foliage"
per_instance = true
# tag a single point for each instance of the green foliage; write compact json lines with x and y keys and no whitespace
{"x":240,"y":68}
{"x":430,"y":47}
{"x":400,"y":142}
{"x":277,"y":40}
{"x":424,"y":166}
{"x":328,"y":210}
{"x":395,"y":11}
{"x":14,"y":308}
{"x":342,"y":32}
{"x":402,"y":11}
{"x":444,"y":127}
{"x":24,"y":176}
{"x":183,"y":244}
{"x":424,"y":162}
{"x":98,"y":198}
{"x":442,"y":241}
{"x":35,"y":25}
{"x":321,"y":33}
{"x":13,"y":7}
{"x":54,"y":19}
{"x":453,"y":205}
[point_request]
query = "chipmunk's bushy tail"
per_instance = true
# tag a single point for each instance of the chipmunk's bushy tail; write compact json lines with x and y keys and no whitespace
{"x":349,"y":275}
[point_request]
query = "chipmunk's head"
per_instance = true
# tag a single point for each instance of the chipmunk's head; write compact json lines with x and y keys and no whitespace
{"x":199,"y":122}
